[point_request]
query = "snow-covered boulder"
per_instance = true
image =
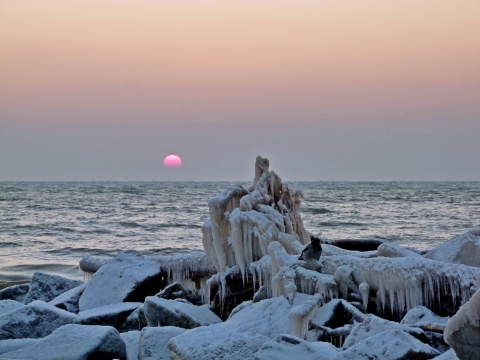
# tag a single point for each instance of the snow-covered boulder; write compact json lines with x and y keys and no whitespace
{"x":74,"y":342}
{"x":462,"y":332}
{"x":373,"y":325}
{"x":133,"y":321}
{"x":153,"y":342}
{"x":462,"y":249}
{"x":290,"y":347}
{"x":35,"y":320}
{"x":388,"y":345}
{"x":132,"y":342}
{"x":423,"y":317}
{"x":394,"y":250}
{"x":108,"y":315}
{"x":162,"y":312}
{"x":15,"y":292}
{"x":69,"y":299}
{"x":127,"y":277}
{"x":447,"y":355}
{"x":15,"y":344}
{"x":9,"y":305}
{"x":241,"y":335}
{"x":46,"y":287}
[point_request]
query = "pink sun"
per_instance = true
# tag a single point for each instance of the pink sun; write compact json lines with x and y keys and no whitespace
{"x":172,"y":161}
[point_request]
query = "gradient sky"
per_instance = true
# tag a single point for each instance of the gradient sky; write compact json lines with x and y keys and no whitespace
{"x":327,"y":90}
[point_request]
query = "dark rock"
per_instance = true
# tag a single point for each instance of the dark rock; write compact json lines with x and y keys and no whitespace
{"x":176,"y":291}
{"x":161,"y":312}
{"x":15,"y":292}
{"x":46,"y":287}
{"x":74,"y":342}
{"x":69,"y":300}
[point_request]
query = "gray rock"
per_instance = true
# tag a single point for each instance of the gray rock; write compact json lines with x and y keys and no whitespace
{"x":15,"y":292}
{"x":132,"y":341}
{"x":291,"y":347}
{"x":35,"y":320}
{"x":133,"y":322}
{"x":462,"y":332}
{"x":46,"y":287}
{"x":127,"y":277}
{"x":15,"y":344}
{"x":153,"y":342}
{"x":388,"y":345}
{"x":161,"y":312}
{"x":69,"y":299}
{"x":9,"y":305}
{"x":108,"y":315}
{"x":74,"y":342}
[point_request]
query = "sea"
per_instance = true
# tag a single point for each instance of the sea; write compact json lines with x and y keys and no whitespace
{"x":51,"y":226}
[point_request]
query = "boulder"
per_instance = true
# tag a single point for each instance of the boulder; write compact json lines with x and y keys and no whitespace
{"x":388,"y":345}
{"x":15,"y":292}
{"x":153,"y":342}
{"x":291,"y":347}
{"x":241,"y":336}
{"x":109,"y":315}
{"x":447,"y":355}
{"x":9,"y":305}
{"x":177,"y":291}
{"x":462,"y":249}
{"x":462,"y":332}
{"x":161,"y":312}
{"x":421,"y":316}
{"x":133,"y":321}
{"x":69,"y":299}
{"x":74,"y":342}
{"x":127,"y":277}
{"x":373,"y":325}
{"x":132,"y":341}
{"x":46,"y":287}
{"x":35,"y":320}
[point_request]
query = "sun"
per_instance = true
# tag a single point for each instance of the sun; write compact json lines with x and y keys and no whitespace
{"x":172,"y":161}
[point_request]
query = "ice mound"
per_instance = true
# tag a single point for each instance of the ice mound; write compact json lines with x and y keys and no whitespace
{"x":462,"y":249}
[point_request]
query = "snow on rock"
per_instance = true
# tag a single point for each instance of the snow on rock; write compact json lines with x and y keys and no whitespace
{"x":134,"y":321}
{"x":153,"y":342}
{"x":290,"y":347}
{"x":15,"y":292}
{"x":462,"y":332}
{"x":462,"y":249}
{"x":132,"y":342}
{"x":109,"y":315}
{"x":394,"y":250}
{"x":46,"y":287}
{"x":74,"y":342}
{"x":373,"y":325}
{"x":447,"y":355}
{"x":69,"y":299}
{"x":241,"y":335}
{"x":15,"y":344}
{"x":420,"y":316}
{"x":403,"y":283}
{"x":127,"y":277}
{"x":330,"y":250}
{"x":35,"y":320}
{"x":9,"y":305}
{"x":162,"y":312}
{"x":388,"y":345}
{"x":177,"y":291}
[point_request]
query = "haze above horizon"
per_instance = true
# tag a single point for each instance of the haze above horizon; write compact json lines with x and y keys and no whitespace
{"x":371,"y":90}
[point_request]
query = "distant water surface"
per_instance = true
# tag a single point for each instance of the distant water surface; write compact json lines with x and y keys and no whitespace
{"x":50,"y":226}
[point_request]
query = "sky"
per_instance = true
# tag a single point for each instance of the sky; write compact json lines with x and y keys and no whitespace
{"x":327,"y":90}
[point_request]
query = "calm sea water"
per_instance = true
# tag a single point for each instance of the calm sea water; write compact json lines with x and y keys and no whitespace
{"x":50,"y":226}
